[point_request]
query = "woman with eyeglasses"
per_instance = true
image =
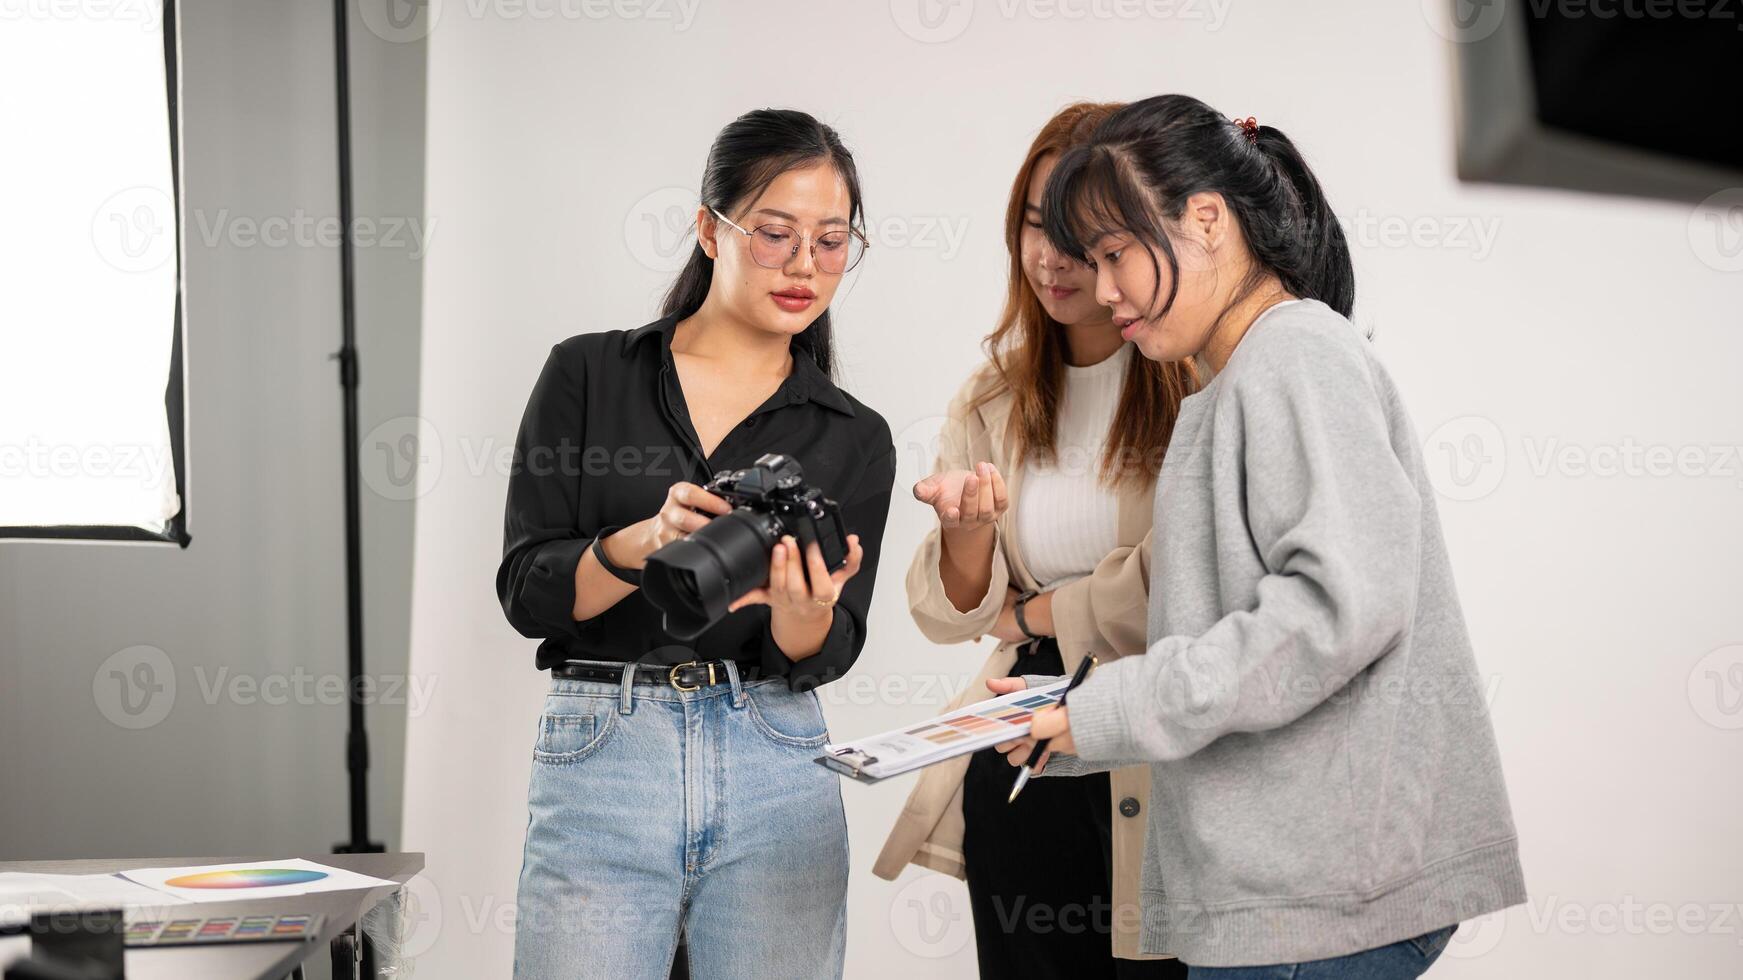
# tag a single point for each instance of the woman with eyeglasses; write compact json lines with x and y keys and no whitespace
{"x":673,"y":790}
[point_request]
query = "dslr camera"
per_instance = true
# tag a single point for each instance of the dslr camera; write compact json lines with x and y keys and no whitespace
{"x":693,"y":579}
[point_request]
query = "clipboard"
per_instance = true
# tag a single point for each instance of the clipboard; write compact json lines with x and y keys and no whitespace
{"x":968,"y":729}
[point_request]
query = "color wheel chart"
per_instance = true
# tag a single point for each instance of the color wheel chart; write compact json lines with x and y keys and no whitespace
{"x":246,"y":878}
{"x":984,"y":721}
{"x":251,"y":879}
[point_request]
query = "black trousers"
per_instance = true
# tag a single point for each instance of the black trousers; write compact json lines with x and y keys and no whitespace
{"x":1040,"y":869}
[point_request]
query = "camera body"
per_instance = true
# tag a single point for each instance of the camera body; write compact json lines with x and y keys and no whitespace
{"x":773,"y":490}
{"x":693,"y":580}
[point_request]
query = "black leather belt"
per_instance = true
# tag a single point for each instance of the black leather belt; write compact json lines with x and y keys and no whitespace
{"x":692,"y":676}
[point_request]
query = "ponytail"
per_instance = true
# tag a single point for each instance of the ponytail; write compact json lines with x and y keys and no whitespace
{"x":687,"y":292}
{"x":1313,"y":261}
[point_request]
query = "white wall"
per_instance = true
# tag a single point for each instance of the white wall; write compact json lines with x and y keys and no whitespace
{"x":259,"y":595}
{"x":1516,"y":320}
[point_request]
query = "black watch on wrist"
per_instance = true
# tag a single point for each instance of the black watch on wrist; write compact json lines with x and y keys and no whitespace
{"x":631,"y":575}
{"x":1022,"y":623}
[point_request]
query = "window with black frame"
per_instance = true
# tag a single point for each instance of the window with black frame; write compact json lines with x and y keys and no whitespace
{"x":91,"y":384}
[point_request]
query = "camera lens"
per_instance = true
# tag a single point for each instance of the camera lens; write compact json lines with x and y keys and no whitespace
{"x":692,"y":580}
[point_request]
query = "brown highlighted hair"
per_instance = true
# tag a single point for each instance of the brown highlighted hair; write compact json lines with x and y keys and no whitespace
{"x":1027,"y":348}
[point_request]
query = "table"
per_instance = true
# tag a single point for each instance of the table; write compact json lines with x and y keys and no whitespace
{"x":241,"y":961}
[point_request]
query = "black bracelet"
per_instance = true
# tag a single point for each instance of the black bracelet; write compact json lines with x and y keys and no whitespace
{"x":1022,"y":623}
{"x":631,"y":575}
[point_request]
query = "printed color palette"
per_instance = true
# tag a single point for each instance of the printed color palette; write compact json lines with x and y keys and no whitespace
{"x":920,"y":744}
{"x":247,"y":878}
{"x":991,"y":719}
{"x":223,"y":929}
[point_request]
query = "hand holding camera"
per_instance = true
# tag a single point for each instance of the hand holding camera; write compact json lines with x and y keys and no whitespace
{"x":802,"y":586}
{"x":678,"y":516}
{"x":777,"y":541}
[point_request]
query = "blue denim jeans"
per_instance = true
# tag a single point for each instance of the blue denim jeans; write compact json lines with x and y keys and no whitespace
{"x":1404,"y":960}
{"x":653,"y":810}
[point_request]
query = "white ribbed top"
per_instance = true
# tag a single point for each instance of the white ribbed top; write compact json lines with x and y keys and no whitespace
{"x":1067,"y":519}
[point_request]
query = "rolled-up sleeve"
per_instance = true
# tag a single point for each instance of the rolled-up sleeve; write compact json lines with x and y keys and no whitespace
{"x":1105,"y":614}
{"x":938,"y":618}
{"x":541,"y":542}
{"x":864,"y":513}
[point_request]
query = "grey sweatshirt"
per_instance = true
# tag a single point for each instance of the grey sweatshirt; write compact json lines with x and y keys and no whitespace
{"x":1324,"y":772}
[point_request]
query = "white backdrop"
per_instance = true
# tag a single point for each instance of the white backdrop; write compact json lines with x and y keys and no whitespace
{"x":1572,"y":362}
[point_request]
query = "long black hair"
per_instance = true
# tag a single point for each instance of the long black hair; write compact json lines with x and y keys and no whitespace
{"x":1147,"y":158}
{"x":746,"y":157}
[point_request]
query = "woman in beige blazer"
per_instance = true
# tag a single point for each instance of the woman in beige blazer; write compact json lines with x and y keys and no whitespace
{"x":1055,"y":362}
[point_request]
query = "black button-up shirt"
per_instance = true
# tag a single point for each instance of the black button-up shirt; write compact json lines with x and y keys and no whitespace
{"x":606,"y":433}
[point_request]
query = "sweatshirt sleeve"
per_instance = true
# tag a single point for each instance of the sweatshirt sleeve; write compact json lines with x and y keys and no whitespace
{"x":1073,"y":765}
{"x":938,"y":618}
{"x":1336,"y":522}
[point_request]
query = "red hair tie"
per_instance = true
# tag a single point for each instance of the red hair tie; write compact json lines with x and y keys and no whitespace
{"x":1249,"y":128}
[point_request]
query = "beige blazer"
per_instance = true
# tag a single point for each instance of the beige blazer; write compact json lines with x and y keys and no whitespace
{"x":1103,"y":614}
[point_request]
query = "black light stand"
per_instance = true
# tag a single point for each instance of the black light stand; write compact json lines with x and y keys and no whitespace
{"x":356,"y":739}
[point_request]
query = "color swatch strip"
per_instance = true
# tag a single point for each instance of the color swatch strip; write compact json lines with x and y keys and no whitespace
{"x":982,"y":721}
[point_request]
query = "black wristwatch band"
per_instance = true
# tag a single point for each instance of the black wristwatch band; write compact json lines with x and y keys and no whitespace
{"x":1023,"y":624}
{"x":631,"y":575}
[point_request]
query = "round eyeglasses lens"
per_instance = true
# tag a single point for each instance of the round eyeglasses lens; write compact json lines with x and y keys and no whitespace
{"x":772,"y":246}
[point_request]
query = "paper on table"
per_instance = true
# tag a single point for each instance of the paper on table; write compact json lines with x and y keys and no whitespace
{"x":22,"y":893}
{"x":253,"y":879}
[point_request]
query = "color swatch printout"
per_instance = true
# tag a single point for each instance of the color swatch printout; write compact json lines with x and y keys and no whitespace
{"x":947,"y":736}
{"x":255,"y":879}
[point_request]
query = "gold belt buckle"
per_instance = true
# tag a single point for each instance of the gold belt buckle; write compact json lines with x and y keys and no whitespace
{"x":672,"y":676}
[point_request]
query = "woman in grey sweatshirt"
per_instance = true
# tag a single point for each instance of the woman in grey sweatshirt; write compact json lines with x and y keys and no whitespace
{"x":1326,"y":795}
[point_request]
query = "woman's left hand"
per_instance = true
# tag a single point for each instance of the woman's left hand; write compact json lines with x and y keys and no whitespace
{"x":1038,"y":614}
{"x":796,"y":596}
{"x":1005,"y":627}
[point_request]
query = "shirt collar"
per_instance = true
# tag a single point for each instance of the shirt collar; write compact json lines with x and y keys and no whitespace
{"x":806,"y":383}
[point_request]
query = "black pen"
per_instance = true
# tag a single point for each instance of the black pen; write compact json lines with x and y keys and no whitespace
{"x":1041,"y":746}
